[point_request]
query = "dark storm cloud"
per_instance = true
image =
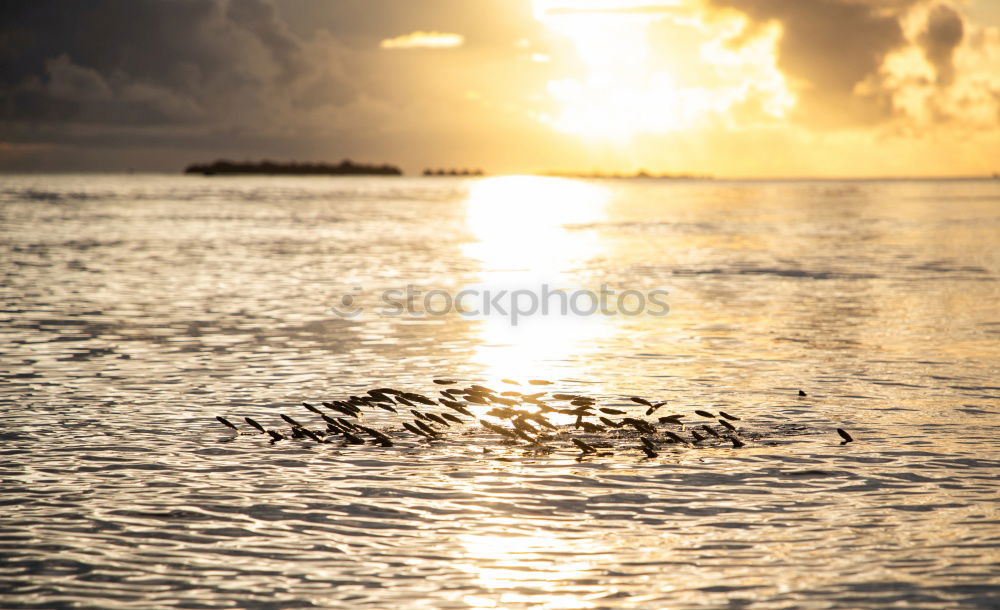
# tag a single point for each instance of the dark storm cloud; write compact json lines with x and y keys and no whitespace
{"x":943,"y":34}
{"x":156,"y":63}
{"x":828,"y":47}
{"x":149,"y":80}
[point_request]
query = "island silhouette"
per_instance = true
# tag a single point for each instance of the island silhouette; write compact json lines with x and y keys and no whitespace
{"x":453,"y":172}
{"x":344,"y":168}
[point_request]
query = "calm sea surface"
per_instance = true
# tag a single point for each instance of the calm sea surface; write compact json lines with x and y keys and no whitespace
{"x":137,"y":308}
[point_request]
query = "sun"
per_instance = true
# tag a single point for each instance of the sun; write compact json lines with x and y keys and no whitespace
{"x":631,"y":86}
{"x":622,"y":92}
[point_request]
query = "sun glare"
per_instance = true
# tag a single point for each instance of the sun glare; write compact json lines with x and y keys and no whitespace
{"x":630,"y":86}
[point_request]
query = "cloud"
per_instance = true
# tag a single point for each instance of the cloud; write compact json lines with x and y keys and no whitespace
{"x":70,"y":81}
{"x":423,"y":40}
{"x":221,"y":66}
{"x":827,"y":48}
{"x":903,"y":65}
{"x":940,"y":39}
{"x":156,"y":84}
{"x":947,"y":78}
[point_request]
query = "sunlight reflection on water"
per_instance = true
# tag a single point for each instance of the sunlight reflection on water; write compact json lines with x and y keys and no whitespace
{"x":528,"y":569}
{"x":519,"y":223}
{"x":523,"y":244}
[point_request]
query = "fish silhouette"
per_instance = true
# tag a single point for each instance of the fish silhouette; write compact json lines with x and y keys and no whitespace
{"x":585,"y":447}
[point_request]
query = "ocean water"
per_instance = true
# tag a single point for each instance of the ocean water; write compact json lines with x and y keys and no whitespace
{"x":137,"y":308}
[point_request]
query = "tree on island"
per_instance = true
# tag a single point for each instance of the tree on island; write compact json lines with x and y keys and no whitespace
{"x":344,"y":168}
{"x":453,"y":172}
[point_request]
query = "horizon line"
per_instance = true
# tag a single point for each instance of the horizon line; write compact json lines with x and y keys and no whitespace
{"x":679,"y":176}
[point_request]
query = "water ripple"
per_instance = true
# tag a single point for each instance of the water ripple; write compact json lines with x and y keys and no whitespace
{"x":135,"y":309}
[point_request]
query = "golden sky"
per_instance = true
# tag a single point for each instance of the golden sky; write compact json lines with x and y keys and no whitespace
{"x":721,"y":87}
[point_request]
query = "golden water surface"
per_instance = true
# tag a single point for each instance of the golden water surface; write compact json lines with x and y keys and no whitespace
{"x":137,"y":308}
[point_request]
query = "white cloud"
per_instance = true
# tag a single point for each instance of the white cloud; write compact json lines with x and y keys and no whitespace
{"x":424,"y":40}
